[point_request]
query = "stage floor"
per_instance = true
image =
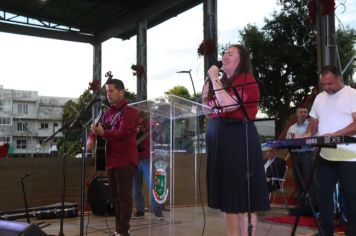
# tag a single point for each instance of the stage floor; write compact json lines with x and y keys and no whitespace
{"x":187,"y":221}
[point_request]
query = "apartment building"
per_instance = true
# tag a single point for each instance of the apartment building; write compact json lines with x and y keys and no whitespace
{"x":27,"y":119}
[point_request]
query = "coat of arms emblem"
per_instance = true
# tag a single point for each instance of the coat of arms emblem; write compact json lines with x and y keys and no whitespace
{"x":160,"y":191}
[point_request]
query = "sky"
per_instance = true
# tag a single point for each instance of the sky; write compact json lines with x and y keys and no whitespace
{"x":64,"y":69}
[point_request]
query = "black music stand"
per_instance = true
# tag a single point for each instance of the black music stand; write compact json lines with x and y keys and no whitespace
{"x":246,"y":121}
{"x":248,"y":174}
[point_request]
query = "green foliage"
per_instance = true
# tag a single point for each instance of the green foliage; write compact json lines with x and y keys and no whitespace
{"x":130,"y":96}
{"x":180,"y":91}
{"x":345,"y":45}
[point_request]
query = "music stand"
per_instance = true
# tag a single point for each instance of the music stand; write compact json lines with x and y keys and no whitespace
{"x":80,"y":118}
{"x":246,"y":121}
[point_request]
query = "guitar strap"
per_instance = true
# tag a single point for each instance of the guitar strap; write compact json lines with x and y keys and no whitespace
{"x":117,"y":117}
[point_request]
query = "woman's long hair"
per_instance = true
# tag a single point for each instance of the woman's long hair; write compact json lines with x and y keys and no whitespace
{"x":243,"y":67}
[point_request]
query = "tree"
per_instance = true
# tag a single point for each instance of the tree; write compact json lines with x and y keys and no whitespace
{"x":345,"y":45}
{"x":180,"y":91}
{"x":284,"y":59}
{"x":71,"y":110}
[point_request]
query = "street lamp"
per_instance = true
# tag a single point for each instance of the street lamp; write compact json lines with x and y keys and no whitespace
{"x":197,"y":130}
{"x":191,"y":79}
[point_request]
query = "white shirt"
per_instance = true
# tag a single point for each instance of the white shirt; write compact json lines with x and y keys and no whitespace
{"x":334,"y":112}
{"x":299,"y":129}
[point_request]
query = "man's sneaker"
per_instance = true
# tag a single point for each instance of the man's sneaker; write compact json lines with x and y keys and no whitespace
{"x":117,"y":234}
{"x":138,"y":215}
{"x":159,"y":215}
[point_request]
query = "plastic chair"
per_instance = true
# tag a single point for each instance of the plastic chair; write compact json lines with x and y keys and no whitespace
{"x":279,"y":183}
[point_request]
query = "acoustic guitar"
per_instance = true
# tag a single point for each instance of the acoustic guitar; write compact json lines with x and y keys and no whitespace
{"x":100,"y":148}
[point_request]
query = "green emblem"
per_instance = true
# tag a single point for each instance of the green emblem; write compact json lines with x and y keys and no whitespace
{"x":160,"y":191}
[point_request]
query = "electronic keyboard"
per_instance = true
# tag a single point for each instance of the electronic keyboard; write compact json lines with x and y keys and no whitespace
{"x":317,"y":141}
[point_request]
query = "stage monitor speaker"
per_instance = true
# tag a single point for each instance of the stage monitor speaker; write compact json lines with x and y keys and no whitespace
{"x":11,"y":228}
{"x":99,"y":197}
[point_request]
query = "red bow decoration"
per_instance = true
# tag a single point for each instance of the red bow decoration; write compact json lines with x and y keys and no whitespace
{"x":94,"y":86}
{"x":327,"y":7}
{"x":138,"y":70}
{"x":207,"y":47}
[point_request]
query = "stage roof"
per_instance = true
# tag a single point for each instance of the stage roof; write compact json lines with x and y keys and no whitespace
{"x":90,"y":21}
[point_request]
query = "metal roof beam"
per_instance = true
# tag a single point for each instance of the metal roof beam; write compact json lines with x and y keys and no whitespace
{"x":46,"y":33}
{"x":128,"y":23}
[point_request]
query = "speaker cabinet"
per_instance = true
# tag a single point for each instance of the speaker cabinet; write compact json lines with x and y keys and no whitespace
{"x":11,"y":228}
{"x":99,"y":197}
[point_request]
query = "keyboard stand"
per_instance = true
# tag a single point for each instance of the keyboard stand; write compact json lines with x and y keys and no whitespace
{"x":306,"y":194}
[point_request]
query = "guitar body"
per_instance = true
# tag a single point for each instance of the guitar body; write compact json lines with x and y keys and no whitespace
{"x":100,"y":153}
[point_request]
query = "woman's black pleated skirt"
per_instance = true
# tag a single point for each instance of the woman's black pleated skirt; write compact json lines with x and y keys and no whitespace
{"x":227,"y":167}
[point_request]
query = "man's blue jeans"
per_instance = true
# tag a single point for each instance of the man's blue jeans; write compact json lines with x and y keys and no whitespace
{"x":143,"y":171}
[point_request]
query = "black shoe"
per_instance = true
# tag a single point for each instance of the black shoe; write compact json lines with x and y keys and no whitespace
{"x":138,"y":215}
{"x":159,"y":215}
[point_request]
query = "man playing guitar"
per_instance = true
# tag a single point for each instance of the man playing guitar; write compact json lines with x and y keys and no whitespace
{"x":118,"y":127}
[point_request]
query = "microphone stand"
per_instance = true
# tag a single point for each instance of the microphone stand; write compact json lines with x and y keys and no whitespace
{"x":246,"y":121}
{"x":65,"y":129}
{"x":24,"y":196}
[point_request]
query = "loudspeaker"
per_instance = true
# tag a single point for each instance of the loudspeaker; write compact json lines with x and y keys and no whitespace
{"x":10,"y":228}
{"x":99,"y":197}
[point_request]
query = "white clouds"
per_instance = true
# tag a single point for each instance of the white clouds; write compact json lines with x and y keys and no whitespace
{"x":52,"y":67}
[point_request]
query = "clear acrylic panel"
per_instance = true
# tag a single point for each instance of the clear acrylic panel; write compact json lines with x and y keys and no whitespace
{"x":177,"y":163}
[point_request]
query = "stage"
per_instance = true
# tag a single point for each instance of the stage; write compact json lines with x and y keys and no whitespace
{"x":187,"y":221}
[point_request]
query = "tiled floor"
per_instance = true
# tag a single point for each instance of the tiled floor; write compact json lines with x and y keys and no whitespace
{"x":184,"y":221}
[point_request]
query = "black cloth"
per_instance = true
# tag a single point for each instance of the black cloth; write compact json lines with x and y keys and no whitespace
{"x":276,"y":169}
{"x":227,"y":167}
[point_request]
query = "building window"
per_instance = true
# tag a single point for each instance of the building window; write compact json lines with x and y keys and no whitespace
{"x":5,"y":139}
{"x":5,"y":120}
{"x":44,"y":125}
{"x":22,"y":108}
{"x":21,"y":144}
{"x":1,"y":104}
{"x":22,"y":126}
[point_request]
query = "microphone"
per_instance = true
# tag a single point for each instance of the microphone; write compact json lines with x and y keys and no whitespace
{"x":218,"y":64}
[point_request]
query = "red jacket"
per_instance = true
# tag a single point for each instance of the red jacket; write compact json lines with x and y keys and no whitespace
{"x":120,"y":135}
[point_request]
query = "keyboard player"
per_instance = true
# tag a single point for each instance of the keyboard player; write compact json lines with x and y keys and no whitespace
{"x":333,"y":113}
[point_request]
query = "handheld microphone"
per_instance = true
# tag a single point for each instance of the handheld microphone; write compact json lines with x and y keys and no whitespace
{"x":218,"y":64}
